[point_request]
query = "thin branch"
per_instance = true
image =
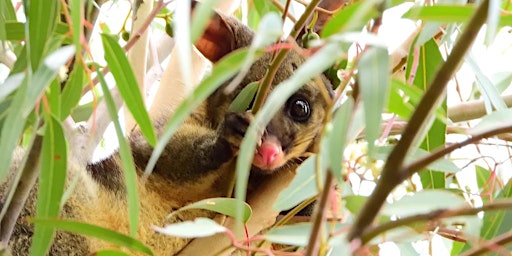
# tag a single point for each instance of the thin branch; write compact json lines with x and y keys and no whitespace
{"x":28,"y":178}
{"x":320,"y":214}
{"x":491,"y":245}
{"x":391,"y":176}
{"x":371,"y":233}
{"x":409,"y":169}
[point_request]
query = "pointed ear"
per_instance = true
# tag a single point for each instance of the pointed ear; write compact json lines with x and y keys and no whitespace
{"x":217,"y":40}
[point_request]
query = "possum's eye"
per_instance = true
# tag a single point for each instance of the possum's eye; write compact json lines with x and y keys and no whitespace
{"x":298,"y":108}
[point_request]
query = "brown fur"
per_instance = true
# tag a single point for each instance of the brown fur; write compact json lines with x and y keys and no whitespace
{"x":194,"y":165}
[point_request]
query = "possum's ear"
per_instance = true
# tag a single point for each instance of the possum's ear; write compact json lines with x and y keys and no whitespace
{"x":217,"y":40}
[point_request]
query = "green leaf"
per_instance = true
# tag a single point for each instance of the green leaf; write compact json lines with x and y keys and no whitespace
{"x":354,"y":203}
{"x":243,"y":100}
{"x":315,"y":65}
{"x":373,"y":77}
{"x":302,"y":187}
{"x":127,"y":164}
{"x":483,"y":178}
{"x":7,"y":10}
{"x":440,"y":13}
{"x":200,"y":227}
{"x":441,"y":165}
{"x":97,"y":232}
{"x":297,"y":234}
{"x":351,"y":18}
{"x":42,"y":16}
{"x":264,"y":7}
{"x":337,"y":138}
{"x":493,"y":19}
{"x":53,"y":96}
{"x":24,"y":101}
{"x":492,"y":121}
{"x":51,"y":182}
{"x":75,"y":12}
{"x":489,"y":91}
{"x":110,"y":253}
{"x":422,"y":202}
{"x":13,"y":31}
{"x":10,"y":84}
{"x":72,"y":90}
{"x":448,"y":14}
{"x":222,"y":205}
{"x":429,"y":60}
{"x":495,"y":222}
{"x":128,"y":86}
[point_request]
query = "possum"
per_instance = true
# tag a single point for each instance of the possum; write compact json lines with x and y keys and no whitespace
{"x":196,"y":162}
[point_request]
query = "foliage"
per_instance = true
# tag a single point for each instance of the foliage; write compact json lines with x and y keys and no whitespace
{"x":389,"y":166}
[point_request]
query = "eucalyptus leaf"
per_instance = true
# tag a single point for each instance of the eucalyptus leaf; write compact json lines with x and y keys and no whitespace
{"x":422,"y":202}
{"x":302,"y":187}
{"x":127,"y":162}
{"x":128,"y":86}
{"x":224,"y":206}
{"x":373,"y":76}
{"x":297,"y":234}
{"x":11,"y":84}
{"x":97,"y":232}
{"x":41,"y":21}
{"x":51,"y":182}
{"x":492,"y":121}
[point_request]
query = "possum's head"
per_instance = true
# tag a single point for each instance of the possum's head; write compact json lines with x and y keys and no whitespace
{"x":290,"y":135}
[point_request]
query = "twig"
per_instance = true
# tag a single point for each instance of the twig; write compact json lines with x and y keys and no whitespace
{"x":391,"y":175}
{"x":28,"y":178}
{"x":491,"y":245}
{"x":371,"y":233}
{"x":320,"y":213}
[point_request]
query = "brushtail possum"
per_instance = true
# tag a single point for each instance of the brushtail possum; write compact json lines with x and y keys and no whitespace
{"x":197,"y":160}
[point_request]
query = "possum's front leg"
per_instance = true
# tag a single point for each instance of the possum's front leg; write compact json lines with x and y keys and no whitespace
{"x":195,"y":150}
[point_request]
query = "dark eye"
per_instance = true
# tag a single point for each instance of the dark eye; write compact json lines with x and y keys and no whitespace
{"x":298,"y":109}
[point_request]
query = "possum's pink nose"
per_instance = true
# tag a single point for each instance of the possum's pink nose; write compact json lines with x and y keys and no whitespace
{"x":269,"y":152}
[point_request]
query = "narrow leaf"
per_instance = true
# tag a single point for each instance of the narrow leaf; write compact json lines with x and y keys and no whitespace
{"x":243,"y":100}
{"x":422,"y":202}
{"x":41,"y":20}
{"x":302,"y":187}
{"x":429,"y":60}
{"x":128,"y":86}
{"x":338,"y":137}
{"x":72,"y":90}
{"x":51,"y":182}
{"x":97,"y":232}
{"x":350,"y":18}
{"x":127,"y":163}
{"x":297,"y":234}
{"x":373,"y":78}
{"x":224,"y":206}
{"x":495,"y":222}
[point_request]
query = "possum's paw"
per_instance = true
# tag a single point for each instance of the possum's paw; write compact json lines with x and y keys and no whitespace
{"x":235,"y":126}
